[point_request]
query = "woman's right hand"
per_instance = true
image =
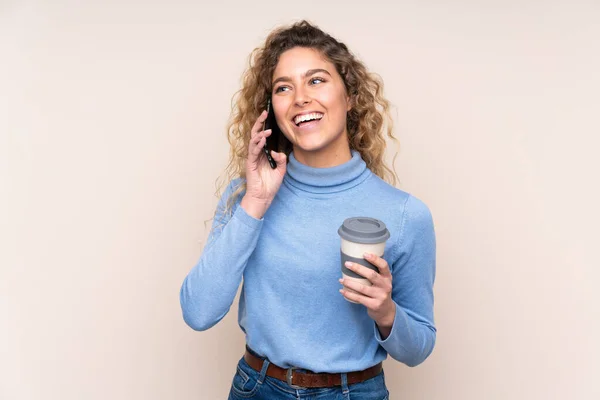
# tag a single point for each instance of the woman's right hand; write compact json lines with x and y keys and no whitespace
{"x":262,"y":181}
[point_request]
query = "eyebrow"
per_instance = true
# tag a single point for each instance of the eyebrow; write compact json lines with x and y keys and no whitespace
{"x":307,"y":73}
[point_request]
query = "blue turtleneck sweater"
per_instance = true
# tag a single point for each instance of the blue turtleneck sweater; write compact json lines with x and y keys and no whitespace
{"x":290,"y":306}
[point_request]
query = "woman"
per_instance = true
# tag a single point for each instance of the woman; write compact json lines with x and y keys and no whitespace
{"x":308,"y":333}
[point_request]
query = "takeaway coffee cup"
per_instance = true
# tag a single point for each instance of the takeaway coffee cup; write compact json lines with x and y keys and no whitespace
{"x":361,"y":235}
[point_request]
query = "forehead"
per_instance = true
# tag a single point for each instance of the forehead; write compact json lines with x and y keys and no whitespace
{"x":296,"y":61}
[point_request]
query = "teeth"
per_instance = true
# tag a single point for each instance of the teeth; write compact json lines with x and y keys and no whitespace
{"x":307,"y":117}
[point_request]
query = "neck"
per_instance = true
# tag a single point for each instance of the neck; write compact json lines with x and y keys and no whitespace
{"x":323,"y":159}
{"x":324,"y":182}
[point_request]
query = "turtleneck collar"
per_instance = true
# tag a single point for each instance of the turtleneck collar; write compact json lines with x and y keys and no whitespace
{"x":326,"y":180}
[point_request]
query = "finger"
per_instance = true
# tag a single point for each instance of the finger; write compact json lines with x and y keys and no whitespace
{"x":259,"y":141}
{"x":259,"y":123}
{"x":279,"y":158}
{"x":368,"y":291}
{"x":260,"y":135}
{"x":363,"y":271}
{"x":258,"y":146}
{"x":359,"y":298}
{"x":379,"y":262}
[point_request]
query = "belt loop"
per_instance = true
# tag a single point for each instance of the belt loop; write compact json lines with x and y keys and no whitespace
{"x":345,"y":389}
{"x":263,"y":370}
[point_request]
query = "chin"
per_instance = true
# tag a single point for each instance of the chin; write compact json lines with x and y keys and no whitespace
{"x":311,"y":147}
{"x":315,"y":141}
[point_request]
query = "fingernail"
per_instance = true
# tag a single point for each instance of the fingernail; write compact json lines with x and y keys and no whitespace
{"x":367,"y":255}
{"x":341,"y":280}
{"x":348,"y":264}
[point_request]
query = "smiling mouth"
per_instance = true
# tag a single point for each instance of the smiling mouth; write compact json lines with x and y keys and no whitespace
{"x":305,"y":118}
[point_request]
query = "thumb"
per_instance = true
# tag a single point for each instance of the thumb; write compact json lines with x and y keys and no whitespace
{"x":279,"y":158}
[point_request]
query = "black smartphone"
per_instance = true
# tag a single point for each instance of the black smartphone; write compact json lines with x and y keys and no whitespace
{"x":271,"y":143}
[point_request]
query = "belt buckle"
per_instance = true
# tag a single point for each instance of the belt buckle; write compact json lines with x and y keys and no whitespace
{"x":288,"y":378}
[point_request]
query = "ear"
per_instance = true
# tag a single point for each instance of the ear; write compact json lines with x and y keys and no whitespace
{"x":349,"y":102}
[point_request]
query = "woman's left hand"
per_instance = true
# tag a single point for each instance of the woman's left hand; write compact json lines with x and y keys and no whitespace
{"x":377,"y":298}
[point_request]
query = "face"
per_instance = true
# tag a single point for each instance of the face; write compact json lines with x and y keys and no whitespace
{"x":310,"y":105}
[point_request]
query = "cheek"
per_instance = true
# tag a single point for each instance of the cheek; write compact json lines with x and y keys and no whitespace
{"x":279,"y":111}
{"x":335,"y":101}
{"x":282,"y":124}
{"x":337,"y":106}
{"x":281,"y":119}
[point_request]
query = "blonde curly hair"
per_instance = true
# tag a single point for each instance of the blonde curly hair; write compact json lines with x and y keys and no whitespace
{"x":368,"y":122}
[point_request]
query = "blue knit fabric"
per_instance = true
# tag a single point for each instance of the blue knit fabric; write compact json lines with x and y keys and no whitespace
{"x":290,"y":306}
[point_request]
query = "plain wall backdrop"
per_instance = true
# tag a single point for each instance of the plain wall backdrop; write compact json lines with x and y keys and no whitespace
{"x":112,"y":133}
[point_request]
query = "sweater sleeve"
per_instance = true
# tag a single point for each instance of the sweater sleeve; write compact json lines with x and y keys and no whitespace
{"x":413,"y":333}
{"x":210,"y":287}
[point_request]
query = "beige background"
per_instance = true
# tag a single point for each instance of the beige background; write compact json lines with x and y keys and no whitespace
{"x":112,"y":119}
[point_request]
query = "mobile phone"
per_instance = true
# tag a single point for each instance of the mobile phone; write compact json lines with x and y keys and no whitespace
{"x":269,"y":144}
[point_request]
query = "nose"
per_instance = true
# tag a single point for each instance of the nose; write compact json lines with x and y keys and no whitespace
{"x":302,"y":98}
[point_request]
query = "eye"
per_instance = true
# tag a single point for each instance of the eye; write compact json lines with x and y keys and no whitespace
{"x":281,"y":89}
{"x":317,"y":80}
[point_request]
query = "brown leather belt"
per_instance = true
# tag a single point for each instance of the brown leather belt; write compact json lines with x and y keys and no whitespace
{"x":310,"y":379}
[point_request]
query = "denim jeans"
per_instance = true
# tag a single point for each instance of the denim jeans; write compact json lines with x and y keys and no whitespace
{"x":251,"y":384}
